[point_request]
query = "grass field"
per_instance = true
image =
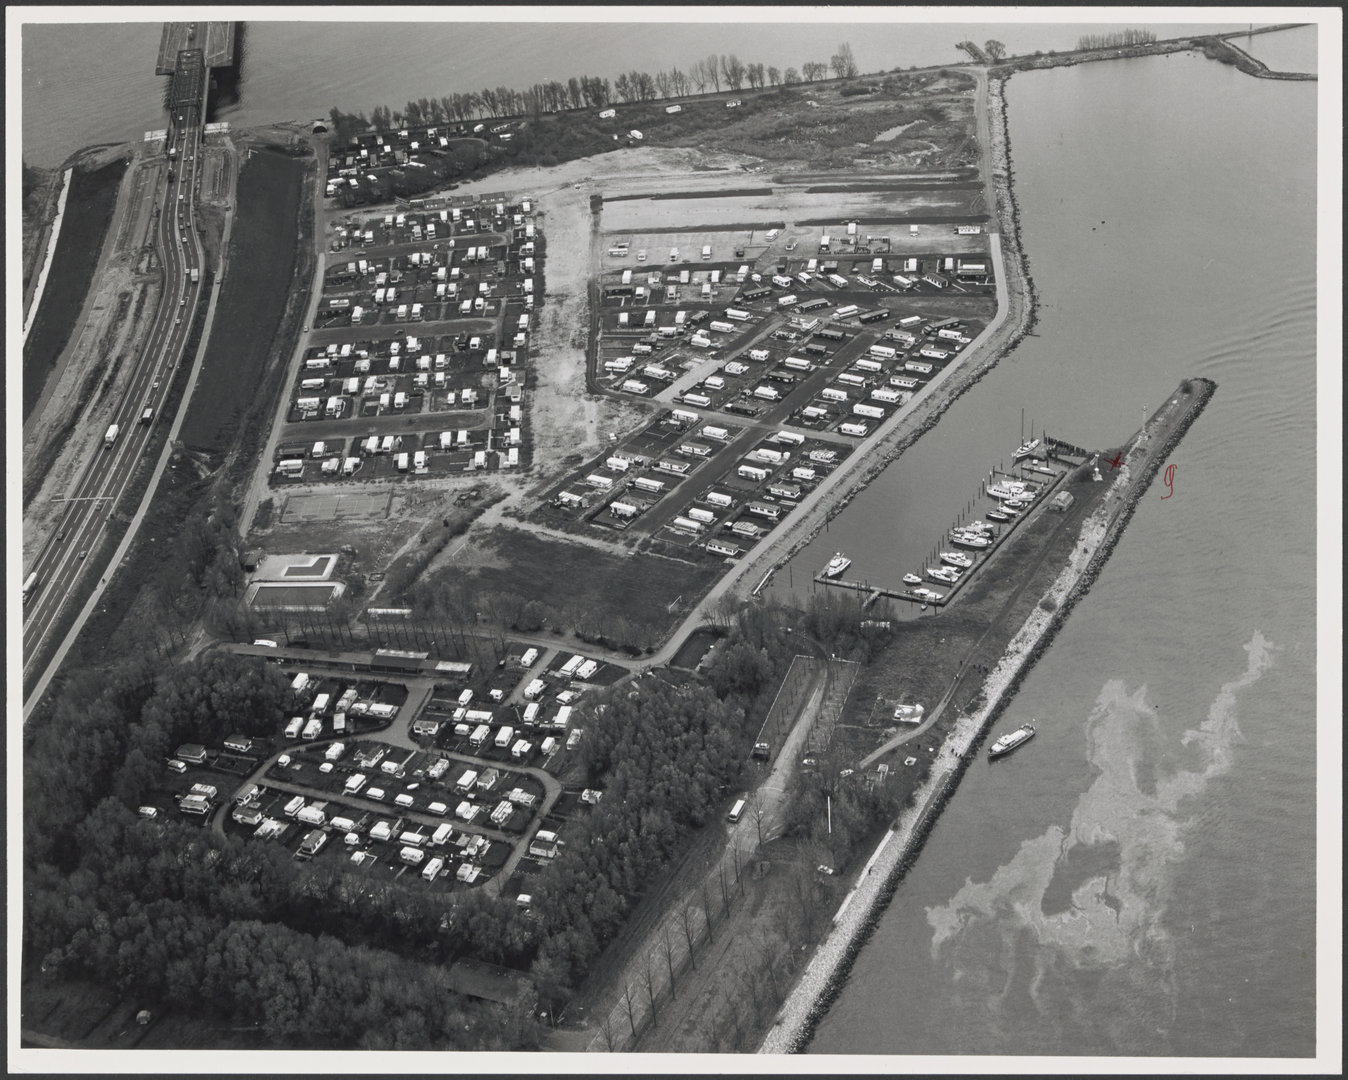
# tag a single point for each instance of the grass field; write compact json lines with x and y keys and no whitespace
{"x":261,"y":266}
{"x":627,"y":600}
{"x":89,"y":207}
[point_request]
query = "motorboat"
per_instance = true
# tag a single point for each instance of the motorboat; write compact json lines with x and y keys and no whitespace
{"x":979,"y":527}
{"x":999,"y":515}
{"x":837,"y":565}
{"x":957,"y":558}
{"x":1025,"y":449}
{"x":1041,"y":469}
{"x":948,"y":574}
{"x":911,"y":579}
{"x":973,"y":541}
{"x":1012,"y":504}
{"x":1011,"y":740}
{"x":928,"y":594}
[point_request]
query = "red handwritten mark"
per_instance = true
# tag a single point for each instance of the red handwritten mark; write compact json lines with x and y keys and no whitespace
{"x":1169,"y":480}
{"x":1114,"y":461}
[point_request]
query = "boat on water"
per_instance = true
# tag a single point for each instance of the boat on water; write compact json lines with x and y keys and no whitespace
{"x":911,"y":579}
{"x":979,"y":527}
{"x":837,"y":565}
{"x":973,"y":541}
{"x":1025,"y":449}
{"x":999,"y":515}
{"x":1011,"y":740}
{"x":1042,"y":469}
{"x":1014,"y":505}
{"x":957,"y":558}
{"x":927,"y":594}
{"x":948,"y":574}
{"x":1007,"y":489}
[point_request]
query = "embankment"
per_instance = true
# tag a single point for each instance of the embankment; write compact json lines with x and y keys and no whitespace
{"x":862,"y":908}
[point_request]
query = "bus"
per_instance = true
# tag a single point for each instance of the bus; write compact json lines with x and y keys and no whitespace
{"x":736,"y":810}
{"x":29,"y":584}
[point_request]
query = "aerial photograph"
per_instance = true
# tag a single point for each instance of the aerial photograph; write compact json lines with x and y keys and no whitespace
{"x":717,"y":539}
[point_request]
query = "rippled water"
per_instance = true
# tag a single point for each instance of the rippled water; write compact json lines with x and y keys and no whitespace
{"x":1139,"y":879}
{"x":87,"y":84}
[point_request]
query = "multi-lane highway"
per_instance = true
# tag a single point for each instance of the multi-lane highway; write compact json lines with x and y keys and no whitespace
{"x":91,"y":501}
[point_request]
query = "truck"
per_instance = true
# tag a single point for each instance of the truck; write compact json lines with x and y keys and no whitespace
{"x":110,"y":436}
{"x":196,"y":275}
{"x":146,"y":414}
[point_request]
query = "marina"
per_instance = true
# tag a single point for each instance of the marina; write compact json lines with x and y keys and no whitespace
{"x":1014,"y":497}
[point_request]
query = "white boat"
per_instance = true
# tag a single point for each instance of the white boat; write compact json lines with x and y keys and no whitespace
{"x":957,"y":558}
{"x":970,"y":540}
{"x":979,"y":527}
{"x":837,"y":565}
{"x":911,"y":579}
{"x":948,"y":574}
{"x":1007,"y":489}
{"x":1011,"y":740}
{"x":1014,"y":506}
{"x":1041,"y":469}
{"x":1025,"y":449}
{"x":999,"y":515}
{"x":927,"y":594}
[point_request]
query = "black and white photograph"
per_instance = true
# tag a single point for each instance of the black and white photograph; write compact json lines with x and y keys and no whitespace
{"x":674,"y":539}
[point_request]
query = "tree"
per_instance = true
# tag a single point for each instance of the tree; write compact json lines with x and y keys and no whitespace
{"x":573,"y":92}
{"x":698,"y":74}
{"x":713,"y":71}
{"x":775,"y":76}
{"x":733,"y":70}
{"x":995,"y":49}
{"x":663,"y":83}
{"x":813,"y":69}
{"x":843,"y":63}
{"x":790,"y":77}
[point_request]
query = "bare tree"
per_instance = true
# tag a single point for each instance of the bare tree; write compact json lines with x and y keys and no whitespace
{"x":995,"y":49}
{"x":663,"y":83}
{"x":631,"y":1014}
{"x":733,"y":70}
{"x":775,"y":75}
{"x":698,"y":74}
{"x":813,"y":69}
{"x":667,"y":948}
{"x":679,"y":81}
{"x":790,"y":77}
{"x":648,"y":977}
{"x":686,"y":915}
{"x":843,"y":62}
{"x":606,"y":1027}
{"x":713,"y":70}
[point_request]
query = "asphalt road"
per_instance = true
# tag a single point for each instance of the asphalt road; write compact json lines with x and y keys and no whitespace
{"x":91,"y":502}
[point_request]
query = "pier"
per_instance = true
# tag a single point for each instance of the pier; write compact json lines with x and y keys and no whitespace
{"x":1042,"y":473}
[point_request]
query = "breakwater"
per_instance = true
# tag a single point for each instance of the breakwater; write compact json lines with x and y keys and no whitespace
{"x":1099,"y":535}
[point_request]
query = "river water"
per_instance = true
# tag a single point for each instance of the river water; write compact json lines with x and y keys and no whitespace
{"x":86,"y":84}
{"x":1139,"y":880}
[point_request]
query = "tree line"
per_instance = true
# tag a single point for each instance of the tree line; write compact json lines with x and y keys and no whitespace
{"x":1116,"y":38}
{"x":709,"y":75}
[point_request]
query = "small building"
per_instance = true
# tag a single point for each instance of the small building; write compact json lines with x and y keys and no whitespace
{"x":1061,"y":502}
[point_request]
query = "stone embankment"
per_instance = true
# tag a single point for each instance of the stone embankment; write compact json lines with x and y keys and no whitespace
{"x":862,"y":907}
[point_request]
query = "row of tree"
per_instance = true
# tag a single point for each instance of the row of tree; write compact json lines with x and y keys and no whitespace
{"x":1116,"y":38}
{"x":709,"y":75}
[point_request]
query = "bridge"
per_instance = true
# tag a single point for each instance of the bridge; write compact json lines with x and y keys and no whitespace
{"x":214,"y":40}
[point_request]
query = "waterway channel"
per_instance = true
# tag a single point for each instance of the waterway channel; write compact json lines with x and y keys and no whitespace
{"x":1138,"y":880}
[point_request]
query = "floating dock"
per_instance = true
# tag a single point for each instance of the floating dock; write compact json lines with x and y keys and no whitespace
{"x":1034,"y":465}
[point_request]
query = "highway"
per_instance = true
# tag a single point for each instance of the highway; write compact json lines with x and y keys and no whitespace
{"x":105,"y":479}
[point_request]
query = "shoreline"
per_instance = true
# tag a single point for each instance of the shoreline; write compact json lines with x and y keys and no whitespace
{"x":30,"y":316}
{"x":863,"y":906}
